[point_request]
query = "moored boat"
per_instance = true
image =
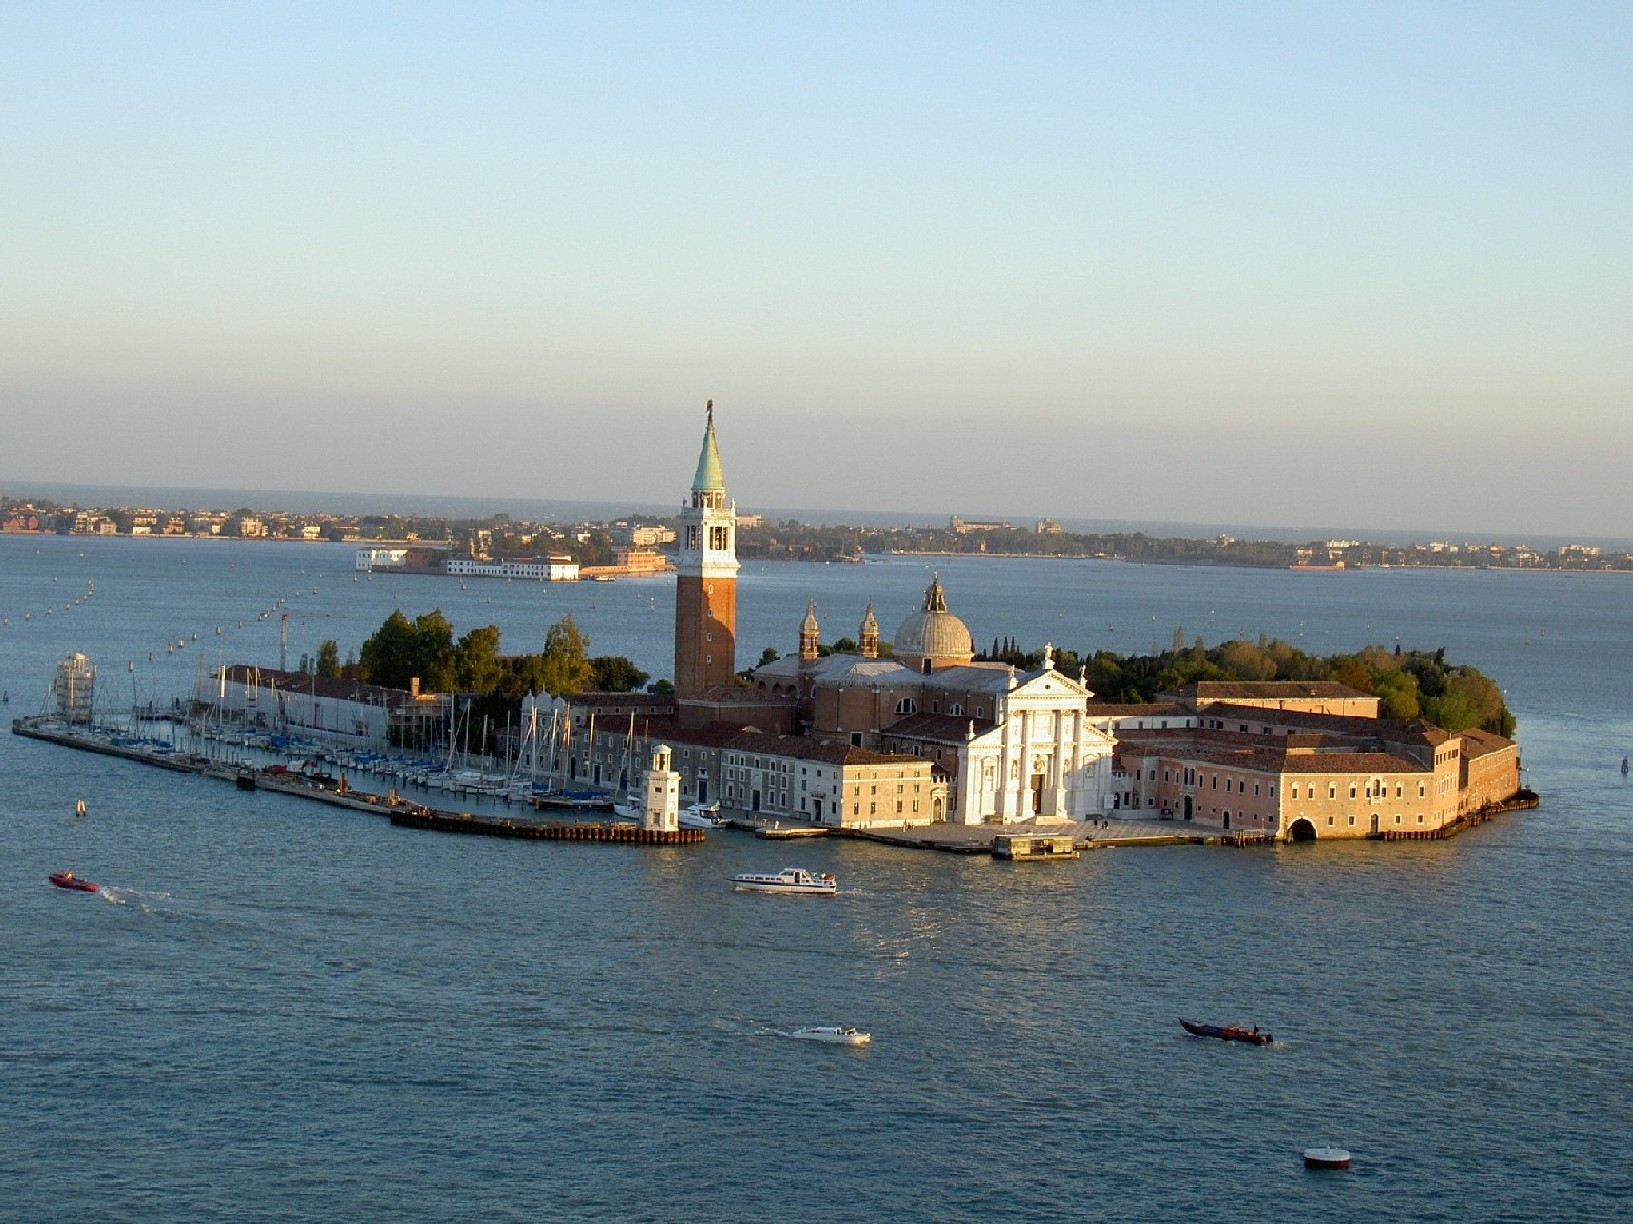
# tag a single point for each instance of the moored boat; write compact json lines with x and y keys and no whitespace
{"x":576,"y":800}
{"x":1227,"y":1032}
{"x":700,"y":816}
{"x":834,"y":1034}
{"x":788,"y":880}
{"x":68,"y":880}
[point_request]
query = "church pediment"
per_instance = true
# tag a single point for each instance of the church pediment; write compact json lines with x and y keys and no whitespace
{"x":1050,"y":685}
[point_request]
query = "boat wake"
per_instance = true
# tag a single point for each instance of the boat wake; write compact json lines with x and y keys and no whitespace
{"x":147,"y":902}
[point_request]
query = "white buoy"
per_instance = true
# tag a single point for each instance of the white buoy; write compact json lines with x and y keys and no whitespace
{"x":1326,"y":1158}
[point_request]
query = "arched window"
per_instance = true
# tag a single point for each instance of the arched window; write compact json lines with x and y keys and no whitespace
{"x":907,"y":706}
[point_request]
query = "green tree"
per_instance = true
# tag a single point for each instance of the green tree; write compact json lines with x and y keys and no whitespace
{"x":328,"y":664}
{"x":476,"y":661}
{"x":1398,"y":695}
{"x":1351,"y":671}
{"x":434,"y":652}
{"x":1470,"y":700}
{"x":401,"y":649}
{"x":1247,"y":661}
{"x":566,"y":669}
{"x":616,"y":674}
{"x":389,"y":654}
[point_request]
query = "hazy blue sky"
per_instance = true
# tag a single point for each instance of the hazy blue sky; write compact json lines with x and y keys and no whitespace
{"x":1320,"y":263}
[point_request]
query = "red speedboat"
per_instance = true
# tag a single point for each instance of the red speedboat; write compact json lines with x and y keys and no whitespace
{"x":67,"y":879}
{"x":1226,"y":1032}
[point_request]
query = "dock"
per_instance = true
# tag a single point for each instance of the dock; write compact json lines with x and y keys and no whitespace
{"x":417,"y":817}
{"x":1026,"y":847}
{"x":337,"y":793}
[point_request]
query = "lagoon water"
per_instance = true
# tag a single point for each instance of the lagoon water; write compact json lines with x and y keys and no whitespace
{"x":281,"y":1011}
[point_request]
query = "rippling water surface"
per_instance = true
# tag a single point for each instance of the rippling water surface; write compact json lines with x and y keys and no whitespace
{"x":278,"y":1010}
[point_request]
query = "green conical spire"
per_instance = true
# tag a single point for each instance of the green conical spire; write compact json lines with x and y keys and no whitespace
{"x":709,"y":475}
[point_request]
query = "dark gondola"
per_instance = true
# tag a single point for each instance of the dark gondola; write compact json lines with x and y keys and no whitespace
{"x":1226,"y":1032}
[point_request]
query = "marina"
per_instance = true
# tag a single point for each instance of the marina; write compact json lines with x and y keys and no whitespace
{"x":338,"y":792}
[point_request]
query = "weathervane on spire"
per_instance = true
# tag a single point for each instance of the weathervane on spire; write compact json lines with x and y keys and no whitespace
{"x":709,"y":409}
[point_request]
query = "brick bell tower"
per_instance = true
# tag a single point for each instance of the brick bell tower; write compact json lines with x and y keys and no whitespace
{"x":706,"y":578}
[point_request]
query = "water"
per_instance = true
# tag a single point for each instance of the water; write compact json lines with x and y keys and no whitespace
{"x":284,"y":1011}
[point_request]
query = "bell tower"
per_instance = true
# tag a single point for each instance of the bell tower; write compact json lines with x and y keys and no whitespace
{"x":706,"y":578}
{"x":810,"y":634}
{"x":867,"y":638}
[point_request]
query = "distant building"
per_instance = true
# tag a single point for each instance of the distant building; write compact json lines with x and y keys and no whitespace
{"x":551,"y":569}
{"x":299,"y":703}
{"x":1308,"y":696}
{"x":1261,"y":764}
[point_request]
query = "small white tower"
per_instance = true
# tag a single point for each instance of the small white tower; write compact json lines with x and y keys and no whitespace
{"x":662,"y":810}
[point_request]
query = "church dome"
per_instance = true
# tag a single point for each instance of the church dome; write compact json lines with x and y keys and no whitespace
{"x":934,"y":632}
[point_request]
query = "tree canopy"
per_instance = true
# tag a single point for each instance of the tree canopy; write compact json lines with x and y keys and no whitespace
{"x":1409,"y":684}
{"x":616,"y":674}
{"x":566,"y":668}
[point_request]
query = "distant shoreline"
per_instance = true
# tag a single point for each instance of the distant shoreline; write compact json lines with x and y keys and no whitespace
{"x":1178,"y":562}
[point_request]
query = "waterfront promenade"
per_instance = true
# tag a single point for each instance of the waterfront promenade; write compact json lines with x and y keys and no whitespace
{"x":359,"y":794}
{"x":978,"y":839}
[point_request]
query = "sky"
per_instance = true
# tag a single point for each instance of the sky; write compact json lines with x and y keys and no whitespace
{"x":1364,"y":264}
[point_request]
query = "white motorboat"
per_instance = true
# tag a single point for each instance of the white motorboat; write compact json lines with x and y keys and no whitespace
{"x":835,"y":1034}
{"x":700,"y":816}
{"x":788,"y":880}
